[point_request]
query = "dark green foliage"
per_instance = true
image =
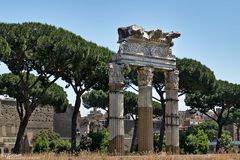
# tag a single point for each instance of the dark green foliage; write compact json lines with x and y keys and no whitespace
{"x":209,"y":127}
{"x":99,"y":140}
{"x":194,"y":76}
{"x":191,"y":144}
{"x":61,"y":146}
{"x":234,"y":118}
{"x":41,"y":144}
{"x":54,"y":95}
{"x":52,"y":53}
{"x":196,"y":142}
{"x":87,"y":67}
{"x":4,"y":48}
{"x":224,"y":98}
{"x":49,"y":141}
{"x":156,"y":143}
{"x":225,"y":142}
{"x":85,"y":143}
{"x":95,"y":99}
{"x":37,"y":48}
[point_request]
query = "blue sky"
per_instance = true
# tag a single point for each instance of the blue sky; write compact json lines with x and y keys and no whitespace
{"x":210,"y":28}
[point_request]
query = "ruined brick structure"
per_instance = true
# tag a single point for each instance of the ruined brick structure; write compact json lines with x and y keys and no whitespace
{"x":42,"y":118}
{"x":62,"y":123}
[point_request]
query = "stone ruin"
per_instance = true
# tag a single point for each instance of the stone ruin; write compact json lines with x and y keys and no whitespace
{"x":145,"y":51}
{"x":42,"y":118}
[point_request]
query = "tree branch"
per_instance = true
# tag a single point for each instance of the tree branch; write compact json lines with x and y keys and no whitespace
{"x":37,"y":80}
{"x":20,"y":110}
{"x":209,"y":116}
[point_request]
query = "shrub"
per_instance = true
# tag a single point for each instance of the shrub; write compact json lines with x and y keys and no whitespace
{"x":99,"y":140}
{"x":85,"y":143}
{"x":156,"y":143}
{"x":62,"y":146}
{"x":48,"y":140}
{"x":41,"y":145}
{"x":191,"y":144}
{"x":196,"y":143}
{"x":226,"y":142}
{"x":202,"y":140}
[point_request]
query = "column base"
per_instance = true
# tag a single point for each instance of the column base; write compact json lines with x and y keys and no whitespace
{"x":116,"y":145}
{"x":172,"y":149}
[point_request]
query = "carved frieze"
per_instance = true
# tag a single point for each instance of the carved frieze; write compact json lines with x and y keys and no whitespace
{"x":144,"y":49}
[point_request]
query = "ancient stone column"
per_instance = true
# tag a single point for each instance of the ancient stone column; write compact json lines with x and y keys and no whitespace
{"x":145,"y":112}
{"x":116,"y":119}
{"x":171,"y":113}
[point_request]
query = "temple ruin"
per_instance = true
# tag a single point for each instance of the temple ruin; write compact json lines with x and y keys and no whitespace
{"x":146,"y":51}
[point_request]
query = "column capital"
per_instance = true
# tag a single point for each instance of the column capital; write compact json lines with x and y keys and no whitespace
{"x":145,"y":76}
{"x":116,"y":77}
{"x":171,"y":80}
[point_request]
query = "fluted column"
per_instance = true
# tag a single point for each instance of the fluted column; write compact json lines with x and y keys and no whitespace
{"x":145,"y":112}
{"x":116,"y":119}
{"x":171,"y":113}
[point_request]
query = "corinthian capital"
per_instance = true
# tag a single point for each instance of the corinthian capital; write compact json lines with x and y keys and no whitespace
{"x":171,"y":79}
{"x":116,"y":74}
{"x":145,"y":76}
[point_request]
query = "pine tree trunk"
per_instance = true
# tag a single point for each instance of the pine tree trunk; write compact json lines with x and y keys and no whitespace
{"x":238,"y":138}
{"x":107,"y":120}
{"x":219,"y":134}
{"x":20,"y":134}
{"x":238,"y":129}
{"x":134,"y":137}
{"x":162,"y":127}
{"x":74,"y":123}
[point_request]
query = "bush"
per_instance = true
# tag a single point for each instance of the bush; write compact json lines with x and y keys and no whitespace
{"x":191,"y":144}
{"x":196,"y":143}
{"x":202,"y":140}
{"x":48,"y":140}
{"x":156,"y":143}
{"x":63,"y":146}
{"x":41,"y":144}
{"x":226,"y":142}
{"x":85,"y":143}
{"x":99,"y":140}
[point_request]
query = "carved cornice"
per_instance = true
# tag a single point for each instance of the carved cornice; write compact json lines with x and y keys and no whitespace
{"x":155,"y":43}
{"x":145,"y":76}
{"x":138,"y":33}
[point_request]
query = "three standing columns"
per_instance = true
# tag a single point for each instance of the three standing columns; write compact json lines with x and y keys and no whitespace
{"x":171,"y":113}
{"x":116,"y":118}
{"x":145,"y":111}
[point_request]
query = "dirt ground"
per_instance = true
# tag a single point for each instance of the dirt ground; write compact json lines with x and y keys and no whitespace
{"x":96,"y":156}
